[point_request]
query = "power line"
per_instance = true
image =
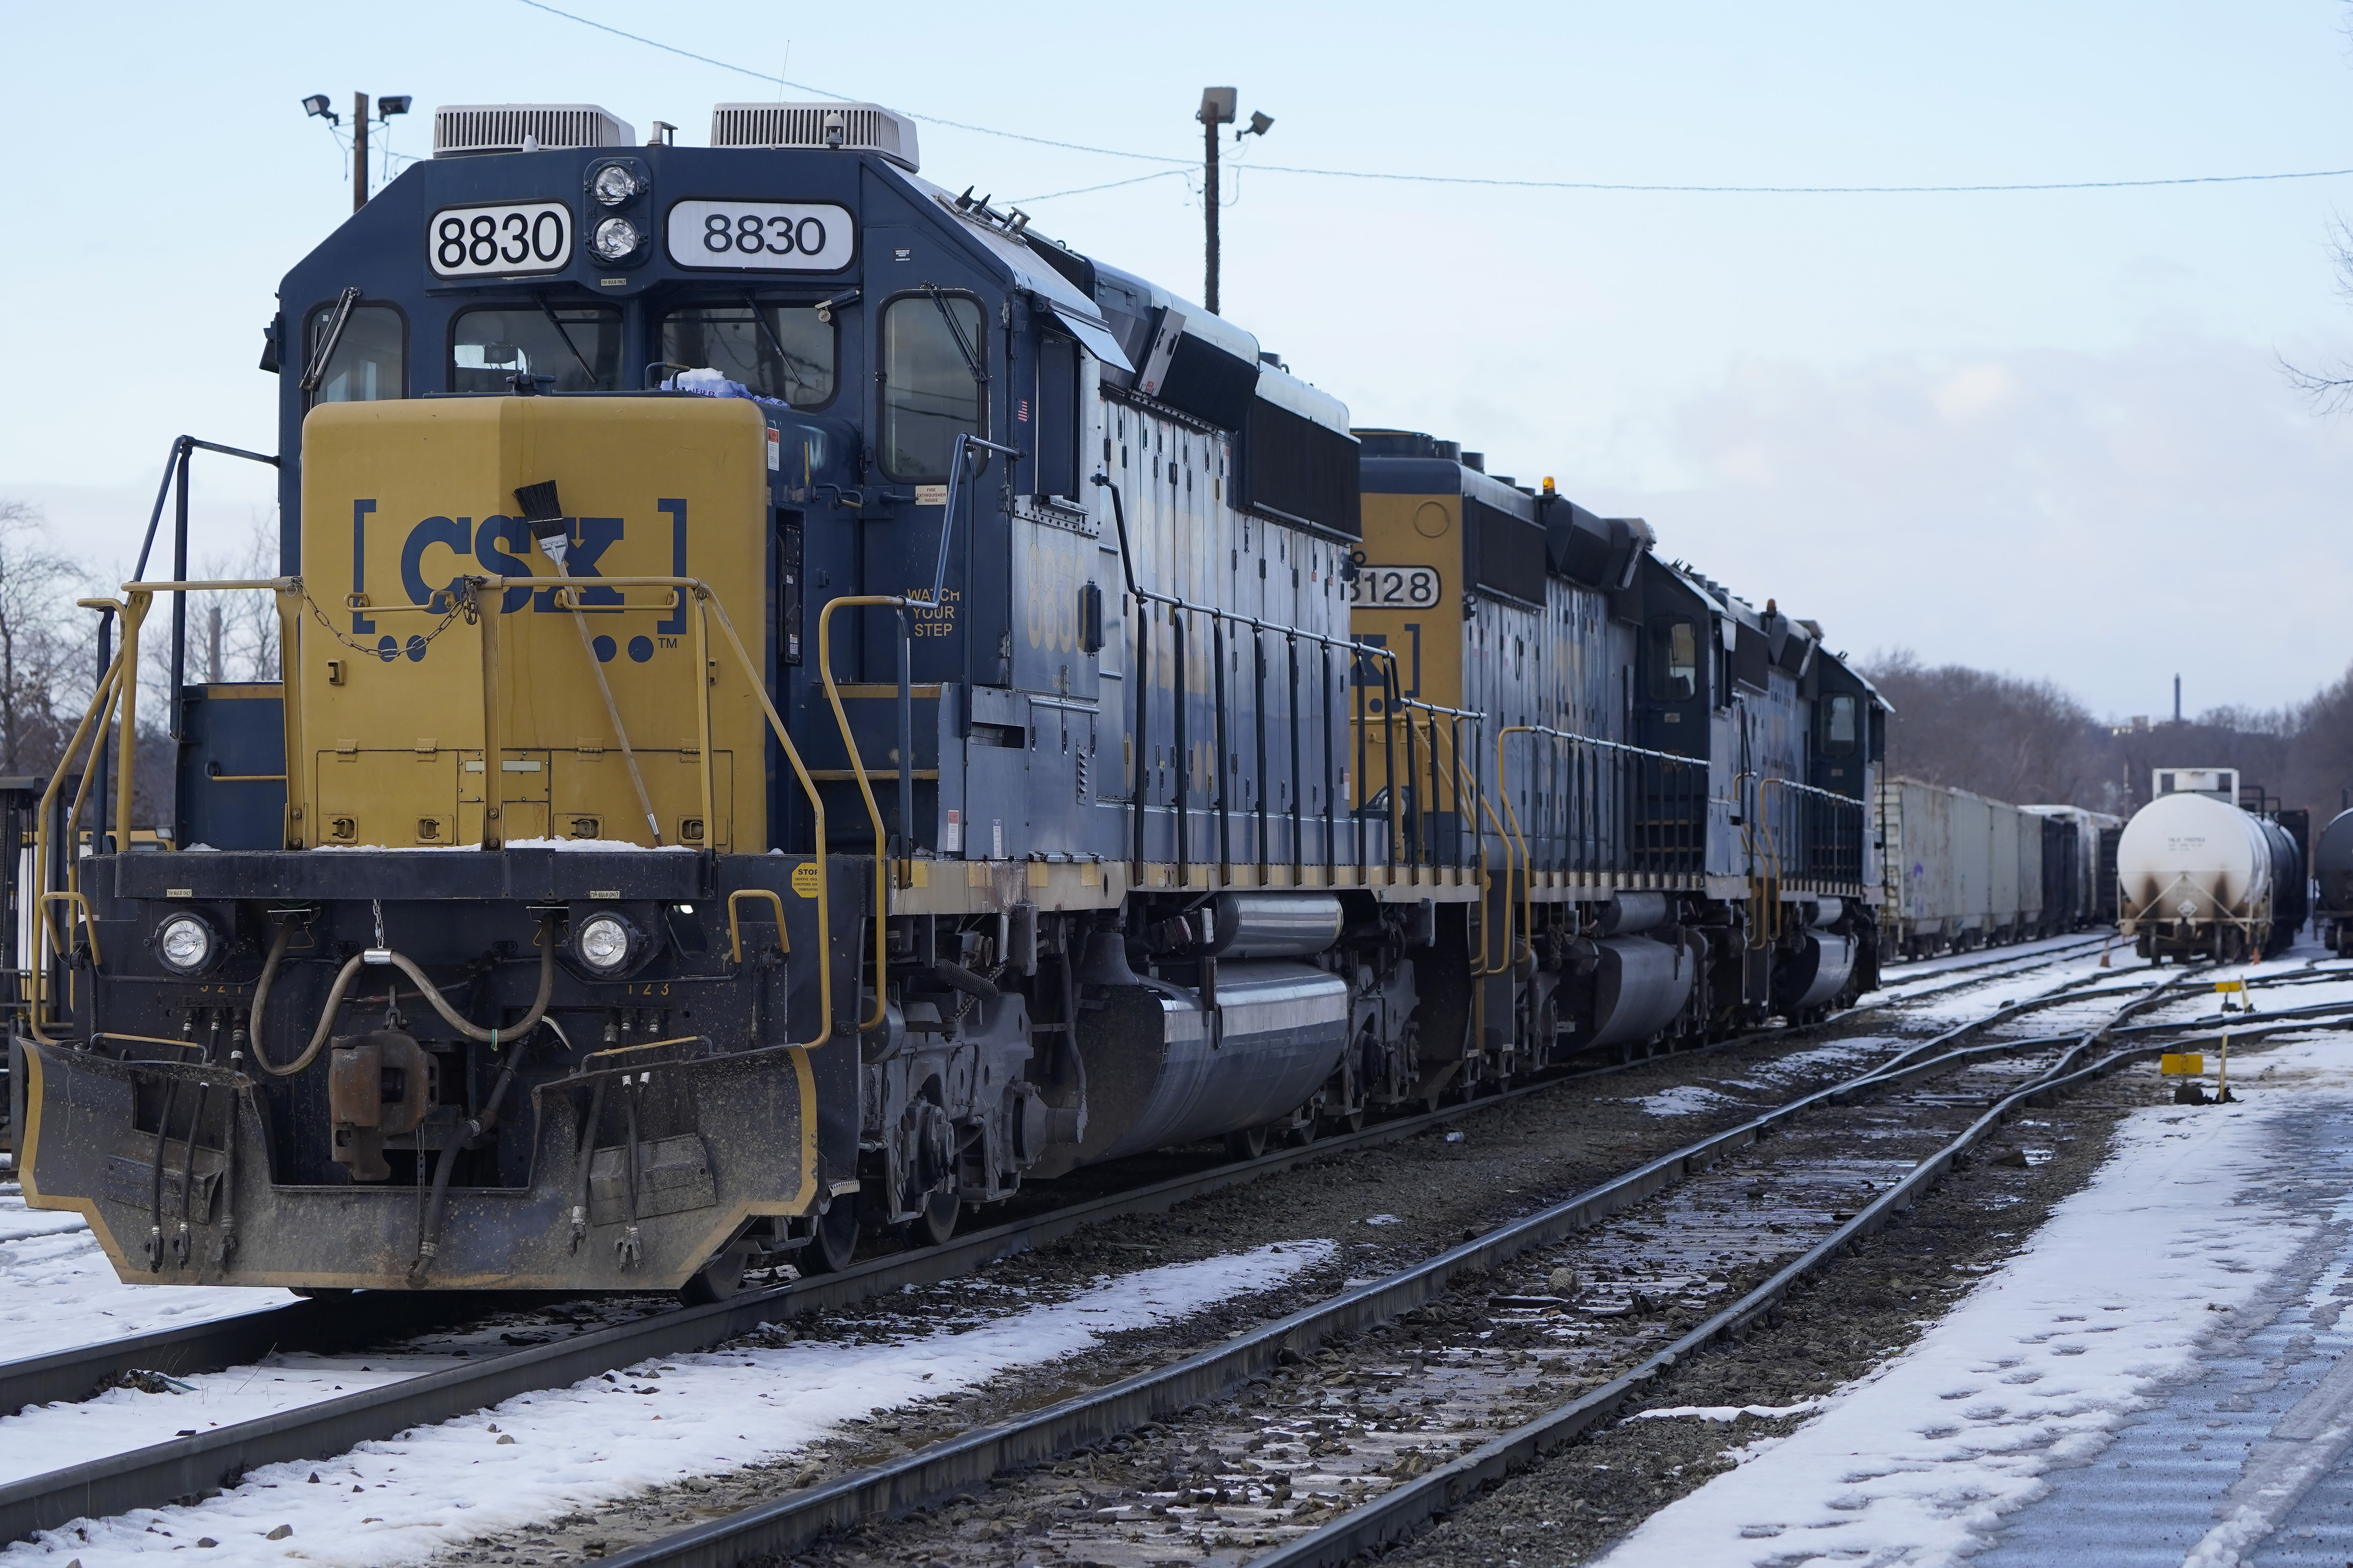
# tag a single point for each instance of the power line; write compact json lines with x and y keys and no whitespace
{"x":1798,"y":190}
{"x":822,"y":92}
{"x":1088,"y":190}
{"x":1183,"y":164}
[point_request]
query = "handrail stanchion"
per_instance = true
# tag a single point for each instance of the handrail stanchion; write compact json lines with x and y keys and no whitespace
{"x":1225,"y":770}
{"x":1331,"y":781}
{"x":1291,"y":706}
{"x":1178,"y":654}
{"x":906,"y":662}
{"x":1257,"y":707}
{"x":865,"y":791}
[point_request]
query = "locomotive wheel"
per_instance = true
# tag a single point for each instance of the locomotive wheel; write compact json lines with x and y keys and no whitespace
{"x":833,"y":1238}
{"x":937,"y":1222}
{"x":719,"y":1279}
{"x":1246,"y":1145}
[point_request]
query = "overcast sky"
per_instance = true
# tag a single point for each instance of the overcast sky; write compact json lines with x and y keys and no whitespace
{"x":2042,"y":432}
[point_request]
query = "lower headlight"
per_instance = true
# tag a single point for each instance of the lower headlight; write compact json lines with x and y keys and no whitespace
{"x":603,"y":942}
{"x":185,"y":944}
{"x":615,"y":238}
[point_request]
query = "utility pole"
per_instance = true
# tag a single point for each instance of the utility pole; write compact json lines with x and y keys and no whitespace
{"x":359,"y":150}
{"x":390,"y":104}
{"x":1217,"y":109}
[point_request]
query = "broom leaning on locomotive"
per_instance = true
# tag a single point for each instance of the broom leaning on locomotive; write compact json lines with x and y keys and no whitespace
{"x":808,"y":704}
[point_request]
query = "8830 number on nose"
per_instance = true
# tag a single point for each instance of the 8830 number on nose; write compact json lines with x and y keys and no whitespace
{"x":762,"y":236}
{"x":507,"y":239}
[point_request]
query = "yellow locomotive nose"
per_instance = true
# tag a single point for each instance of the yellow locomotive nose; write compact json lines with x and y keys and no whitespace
{"x":588,"y":697}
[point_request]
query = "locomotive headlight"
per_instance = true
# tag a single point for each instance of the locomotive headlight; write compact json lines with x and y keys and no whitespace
{"x":185,"y":944}
{"x":603,"y":942}
{"x":614,"y":185}
{"x":616,"y":238}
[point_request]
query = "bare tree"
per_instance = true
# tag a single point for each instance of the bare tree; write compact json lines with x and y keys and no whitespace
{"x":46,"y":657}
{"x":2022,"y":740}
{"x":2330,"y":391}
{"x":247,"y":620}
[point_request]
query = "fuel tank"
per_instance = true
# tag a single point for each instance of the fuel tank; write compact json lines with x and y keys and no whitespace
{"x":1815,"y":974}
{"x":1162,"y":1069}
{"x":1639,"y":987}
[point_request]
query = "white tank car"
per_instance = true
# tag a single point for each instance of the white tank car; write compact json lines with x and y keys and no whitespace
{"x":2197,"y":877}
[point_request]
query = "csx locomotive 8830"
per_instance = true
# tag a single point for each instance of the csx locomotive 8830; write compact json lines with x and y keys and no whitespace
{"x":809,"y":705}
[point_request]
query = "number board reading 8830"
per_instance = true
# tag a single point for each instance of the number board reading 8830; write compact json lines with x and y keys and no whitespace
{"x":510,"y":239}
{"x":1394,"y":588}
{"x":762,"y":236}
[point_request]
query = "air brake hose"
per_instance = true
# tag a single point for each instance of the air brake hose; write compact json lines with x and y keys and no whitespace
{"x":431,"y":992}
{"x":429,"y":1239}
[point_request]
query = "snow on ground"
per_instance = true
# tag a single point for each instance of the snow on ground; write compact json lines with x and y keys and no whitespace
{"x":1684,"y":1100}
{"x":1965,"y":1003}
{"x":1779,"y":1070}
{"x":599,"y":1439}
{"x":58,"y":1290}
{"x":2037,"y":1367}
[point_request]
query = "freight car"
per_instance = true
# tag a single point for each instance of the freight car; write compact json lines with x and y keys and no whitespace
{"x":1965,"y":871}
{"x":2201,"y":875}
{"x":2332,"y":880}
{"x":809,"y":706}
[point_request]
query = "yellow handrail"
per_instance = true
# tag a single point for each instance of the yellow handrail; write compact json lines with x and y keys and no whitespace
{"x":1517,"y":834}
{"x":486,"y":591}
{"x":865,"y":788}
{"x":92,"y":719}
{"x":735,"y":931}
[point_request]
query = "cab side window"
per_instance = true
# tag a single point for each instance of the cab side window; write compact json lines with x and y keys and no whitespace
{"x":1842,"y":717}
{"x":1674,"y":660}
{"x":370,"y":362}
{"x":933,"y":359}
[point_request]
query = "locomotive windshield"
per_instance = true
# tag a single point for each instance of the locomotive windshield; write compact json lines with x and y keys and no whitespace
{"x":778,"y":351}
{"x":581,"y":348}
{"x":370,"y":361}
{"x":932,"y":385}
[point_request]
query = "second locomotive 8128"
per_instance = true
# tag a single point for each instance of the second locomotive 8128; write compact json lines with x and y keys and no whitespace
{"x":809,"y":706}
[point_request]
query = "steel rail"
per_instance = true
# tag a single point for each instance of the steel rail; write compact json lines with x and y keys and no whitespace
{"x":788,"y":1524}
{"x":369,"y":1318}
{"x":1400,"y":1512}
{"x":216,"y":1458}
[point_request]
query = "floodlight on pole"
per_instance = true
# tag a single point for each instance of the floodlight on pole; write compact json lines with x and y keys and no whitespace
{"x":1219,"y":105}
{"x":316,"y":107}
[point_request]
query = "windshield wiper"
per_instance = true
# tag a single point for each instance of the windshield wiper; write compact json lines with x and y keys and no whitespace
{"x":549,"y":311}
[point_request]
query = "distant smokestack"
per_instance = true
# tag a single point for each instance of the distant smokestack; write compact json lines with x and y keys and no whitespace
{"x":2177,"y":700}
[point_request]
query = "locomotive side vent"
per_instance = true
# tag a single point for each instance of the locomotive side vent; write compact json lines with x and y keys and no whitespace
{"x":844,"y":126}
{"x":462,"y":128}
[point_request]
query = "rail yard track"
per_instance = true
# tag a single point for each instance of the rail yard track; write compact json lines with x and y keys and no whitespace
{"x":1269,"y":1474}
{"x":338,"y":1322}
{"x":354,"y":1321}
{"x":194,"y":1466}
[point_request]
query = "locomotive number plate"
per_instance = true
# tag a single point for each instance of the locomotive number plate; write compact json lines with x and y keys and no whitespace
{"x":521,"y":237}
{"x":1394,"y":588}
{"x":762,"y":236}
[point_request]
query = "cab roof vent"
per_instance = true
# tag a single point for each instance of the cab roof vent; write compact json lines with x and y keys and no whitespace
{"x":460,"y":130}
{"x":844,"y":126}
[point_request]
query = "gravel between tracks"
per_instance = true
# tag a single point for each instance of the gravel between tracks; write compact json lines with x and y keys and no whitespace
{"x":1384,"y":1207}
